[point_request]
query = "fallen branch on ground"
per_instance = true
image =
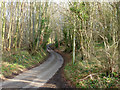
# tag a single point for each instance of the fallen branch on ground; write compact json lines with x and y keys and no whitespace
{"x":91,"y":77}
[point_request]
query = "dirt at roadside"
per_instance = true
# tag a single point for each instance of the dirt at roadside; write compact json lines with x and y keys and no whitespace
{"x":59,"y":80}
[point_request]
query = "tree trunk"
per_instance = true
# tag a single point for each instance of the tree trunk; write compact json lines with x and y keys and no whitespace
{"x":39,"y":29}
{"x":17,"y":25}
{"x":74,"y":41}
{"x":10,"y":28}
{"x":118,"y":17}
{"x":3,"y":25}
{"x":21,"y":26}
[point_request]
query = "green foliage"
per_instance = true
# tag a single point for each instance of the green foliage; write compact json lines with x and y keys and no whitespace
{"x":80,"y":10}
{"x":105,"y":82}
{"x":78,"y":72}
{"x":56,"y":41}
{"x":46,"y":37}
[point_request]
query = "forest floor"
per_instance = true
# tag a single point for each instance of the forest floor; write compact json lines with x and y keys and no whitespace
{"x":59,"y":80}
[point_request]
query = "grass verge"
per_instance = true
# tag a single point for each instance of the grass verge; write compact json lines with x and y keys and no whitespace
{"x":15,"y":62}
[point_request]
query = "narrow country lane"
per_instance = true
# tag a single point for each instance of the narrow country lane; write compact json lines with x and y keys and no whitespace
{"x":81,"y":36}
{"x":37,"y":76}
